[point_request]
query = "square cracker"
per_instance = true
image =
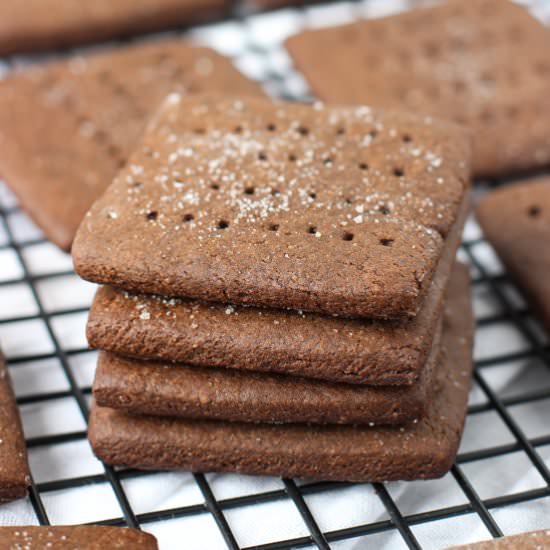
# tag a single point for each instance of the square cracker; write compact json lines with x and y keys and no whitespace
{"x":423,"y":450}
{"x":66,"y":128}
{"x":31,"y":25}
{"x":330,"y":209}
{"x":14,"y":468}
{"x":481,"y":63}
{"x":516,"y":221}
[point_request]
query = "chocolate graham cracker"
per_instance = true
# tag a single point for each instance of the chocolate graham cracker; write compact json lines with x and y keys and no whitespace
{"x":516,"y":221}
{"x":67,"y":128}
{"x":30,"y":25}
{"x":422,"y":450}
{"x":71,"y":537}
{"x":481,"y":63}
{"x":333,"y":210}
{"x":309,"y":345}
{"x":149,"y":388}
{"x":14,"y":468}
{"x":534,"y":540}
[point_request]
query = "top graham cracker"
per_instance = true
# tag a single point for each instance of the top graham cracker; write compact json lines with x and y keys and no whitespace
{"x":481,"y":63}
{"x":339,"y":210}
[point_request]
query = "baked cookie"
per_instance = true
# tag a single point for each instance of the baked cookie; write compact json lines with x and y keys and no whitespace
{"x":534,"y":540}
{"x":84,"y":537}
{"x":516,"y":221}
{"x":481,"y":63}
{"x":68,"y":127}
{"x":14,"y":468}
{"x":31,"y":25}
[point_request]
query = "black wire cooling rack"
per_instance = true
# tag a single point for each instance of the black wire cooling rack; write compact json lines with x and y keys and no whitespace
{"x":511,"y":386}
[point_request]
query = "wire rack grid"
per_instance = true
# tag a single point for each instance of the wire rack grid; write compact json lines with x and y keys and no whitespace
{"x":499,"y":485}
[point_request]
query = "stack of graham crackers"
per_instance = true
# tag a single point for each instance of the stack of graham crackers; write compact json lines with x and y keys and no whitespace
{"x":281,"y":293}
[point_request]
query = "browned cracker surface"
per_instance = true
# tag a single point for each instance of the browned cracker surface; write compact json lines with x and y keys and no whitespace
{"x":30,"y":25}
{"x":14,"y":469}
{"x":481,"y":63}
{"x":74,"y":537}
{"x":422,"y":450}
{"x":516,"y":221}
{"x":327,"y":209}
{"x":534,"y":540}
{"x":67,"y":128}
